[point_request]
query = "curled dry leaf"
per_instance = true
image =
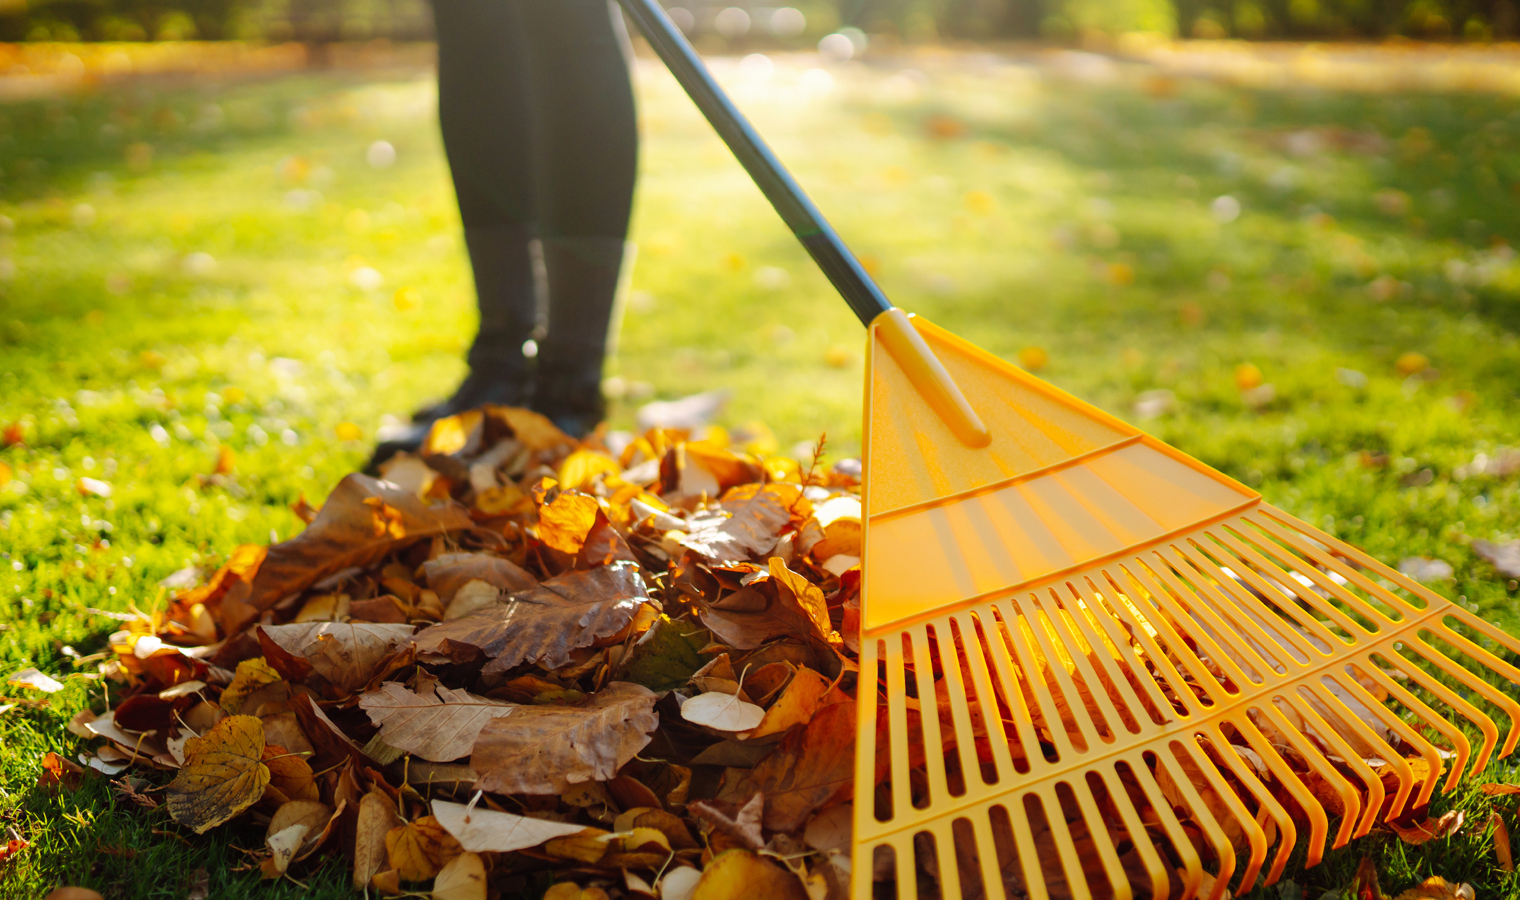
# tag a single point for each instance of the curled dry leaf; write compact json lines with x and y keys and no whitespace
{"x":745,"y":525}
{"x":543,"y":624}
{"x":439,"y":725}
{"x":289,"y":774}
{"x":742,"y":826}
{"x":37,"y":681}
{"x":545,"y":749}
{"x":483,"y":830}
{"x":363,"y":519}
{"x":803,"y":696}
{"x":222,"y":776}
{"x":347,"y":654}
{"x":283,"y":846}
{"x":1430,"y":829}
{"x":564,"y":522}
{"x":1502,"y":852}
{"x":251,"y":675}
{"x":722,"y":712}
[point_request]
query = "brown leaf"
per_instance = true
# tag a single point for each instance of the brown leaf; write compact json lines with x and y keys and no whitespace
{"x":804,"y":595}
{"x":745,"y":525}
{"x":742,"y":875}
{"x":1438,"y":888}
{"x":482,"y":830}
{"x":811,"y":768}
{"x":753,"y":615}
{"x":452,"y":571}
{"x":439,"y":726}
{"x":1499,"y":790}
{"x":377,"y":816}
{"x":742,"y":826}
{"x":222,"y":775}
{"x":542,"y":625}
{"x":363,"y":519}
{"x":347,"y":654}
{"x":331,"y":744}
{"x":419,"y":849}
{"x":1430,"y":829}
{"x":289,"y":774}
{"x":545,"y":749}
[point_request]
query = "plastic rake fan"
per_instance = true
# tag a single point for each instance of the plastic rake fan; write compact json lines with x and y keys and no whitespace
{"x":1084,"y":654}
{"x":1070,"y":632}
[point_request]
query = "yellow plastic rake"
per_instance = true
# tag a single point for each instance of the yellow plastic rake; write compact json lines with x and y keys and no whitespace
{"x":1087,"y":658}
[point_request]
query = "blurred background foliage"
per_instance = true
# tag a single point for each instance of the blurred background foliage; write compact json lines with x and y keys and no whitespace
{"x":720,"y":24}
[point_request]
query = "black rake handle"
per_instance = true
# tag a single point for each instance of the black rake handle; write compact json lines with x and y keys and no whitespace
{"x":774,"y":181}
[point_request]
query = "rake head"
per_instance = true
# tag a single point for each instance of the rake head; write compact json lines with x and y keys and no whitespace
{"x":1093,"y":666}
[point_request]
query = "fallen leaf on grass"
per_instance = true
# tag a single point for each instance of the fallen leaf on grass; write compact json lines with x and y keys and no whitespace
{"x":1499,"y":790}
{"x":58,"y":772}
{"x":439,"y":725}
{"x":347,"y":654}
{"x":1430,"y":829}
{"x":1501,"y":842}
{"x":741,"y":874}
{"x":811,"y":768}
{"x":363,"y":519}
{"x":289,"y":774}
{"x":1438,"y":888}
{"x":11,"y":847}
{"x":283,"y":846}
{"x":222,"y":775}
{"x":544,"y":624}
{"x":545,"y":749}
{"x":1504,"y":557}
{"x":482,"y":830}
{"x":35,"y":680}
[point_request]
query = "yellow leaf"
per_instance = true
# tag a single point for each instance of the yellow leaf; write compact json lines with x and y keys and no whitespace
{"x":418,"y":850}
{"x":226,"y":461}
{"x":1411,"y":363}
{"x":1247,"y":376}
{"x":581,"y":468}
{"x":564,"y":523}
{"x":252,"y":674}
{"x":464,"y":878}
{"x":1033,"y":359}
{"x":348,"y":431}
{"x":806,"y":692}
{"x":1501,"y":842}
{"x":742,"y":875}
{"x":5,"y":474}
{"x":222,"y":775}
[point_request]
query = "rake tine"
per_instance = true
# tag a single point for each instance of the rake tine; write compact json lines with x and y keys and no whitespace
{"x":1097,"y":829}
{"x":992,"y":719}
{"x":1013,"y":689}
{"x":1350,"y":802}
{"x":1193,"y":867}
{"x":1248,"y":777}
{"x":1060,"y":831}
{"x":1158,"y":658}
{"x":1119,"y":655}
{"x":1029,"y":857}
{"x":1313,"y":573}
{"x":1162,"y":600}
{"x":987,"y":856}
{"x":1113,"y":782}
{"x":1265,"y":615}
{"x":1300,"y":593}
{"x":952,"y":654}
{"x":1427,"y":750}
{"x":1223,"y":846}
{"x":928,"y":713}
{"x":1319,"y":822}
{"x":1461,"y":673}
{"x":1449,"y":697}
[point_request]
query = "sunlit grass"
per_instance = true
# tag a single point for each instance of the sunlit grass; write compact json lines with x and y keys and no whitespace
{"x":191,"y":267}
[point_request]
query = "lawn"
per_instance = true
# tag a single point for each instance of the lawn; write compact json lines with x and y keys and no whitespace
{"x":1311,"y":290}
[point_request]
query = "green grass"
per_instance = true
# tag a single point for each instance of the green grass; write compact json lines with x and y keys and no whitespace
{"x":1074,"y":217}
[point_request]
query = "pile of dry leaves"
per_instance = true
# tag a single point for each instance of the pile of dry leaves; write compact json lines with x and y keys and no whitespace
{"x":618,"y":667}
{"x":519,"y":660}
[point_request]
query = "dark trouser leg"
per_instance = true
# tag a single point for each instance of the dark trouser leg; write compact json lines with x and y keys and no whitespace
{"x":587,"y":141}
{"x":485,"y":112}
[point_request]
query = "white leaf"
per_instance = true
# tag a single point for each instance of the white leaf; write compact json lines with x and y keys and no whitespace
{"x":481,"y":830}
{"x":725,"y":712}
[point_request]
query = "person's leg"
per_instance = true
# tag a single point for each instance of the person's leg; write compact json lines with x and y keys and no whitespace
{"x":587,"y":140}
{"x":485,"y":112}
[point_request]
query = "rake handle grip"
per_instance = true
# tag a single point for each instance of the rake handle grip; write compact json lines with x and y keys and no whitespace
{"x":775,"y":182}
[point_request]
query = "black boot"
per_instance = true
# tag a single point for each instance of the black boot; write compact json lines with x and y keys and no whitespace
{"x":583,"y":280}
{"x":506,"y":291}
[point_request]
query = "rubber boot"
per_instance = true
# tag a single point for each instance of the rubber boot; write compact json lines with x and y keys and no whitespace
{"x":505,"y":289}
{"x":583,"y":281}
